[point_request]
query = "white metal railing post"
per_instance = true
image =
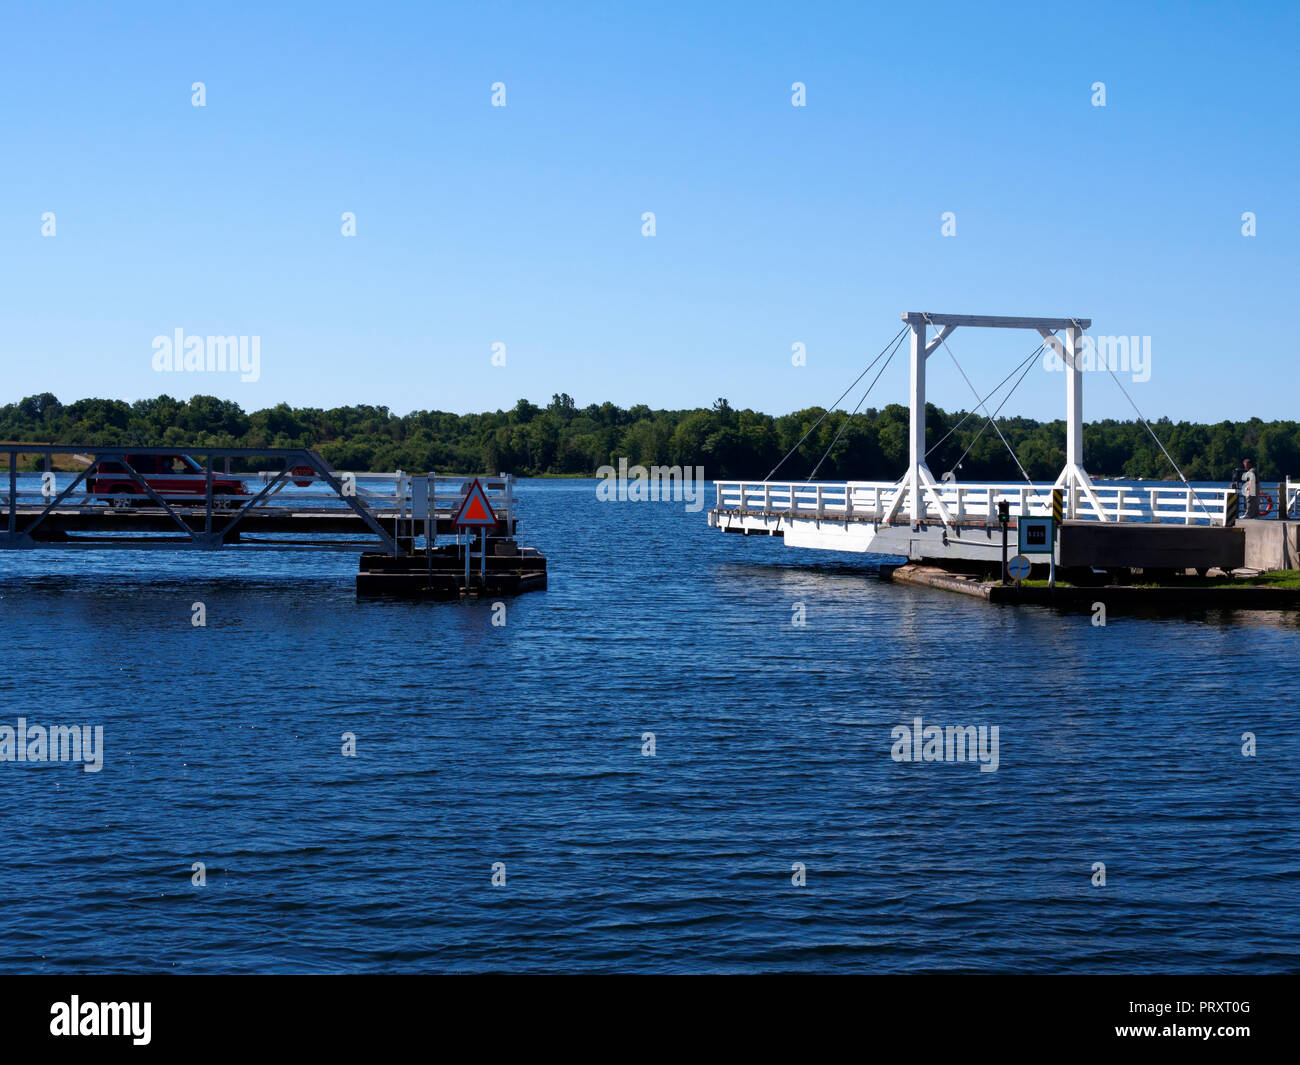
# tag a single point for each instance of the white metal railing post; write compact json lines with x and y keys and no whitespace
{"x":401,"y":509}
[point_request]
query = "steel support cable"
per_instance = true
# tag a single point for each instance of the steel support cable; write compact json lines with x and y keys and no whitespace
{"x":846,"y":421}
{"x":892,"y":344}
{"x":988,"y":422}
{"x":993,"y":392}
{"x":975,"y":392}
{"x":1192,"y":491}
{"x":1027,"y":364}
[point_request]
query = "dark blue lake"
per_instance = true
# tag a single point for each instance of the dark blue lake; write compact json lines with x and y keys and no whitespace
{"x":522,"y":745}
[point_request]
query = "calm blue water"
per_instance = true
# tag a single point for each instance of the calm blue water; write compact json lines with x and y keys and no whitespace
{"x":522,"y":745}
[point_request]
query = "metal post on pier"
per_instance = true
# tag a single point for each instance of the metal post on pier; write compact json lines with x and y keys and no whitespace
{"x":207,"y":493}
{"x":1058,"y":516}
{"x":13,"y":493}
{"x":508,"y":488}
{"x":430,"y":518}
{"x":400,"y":513}
{"x":1004,"y":519}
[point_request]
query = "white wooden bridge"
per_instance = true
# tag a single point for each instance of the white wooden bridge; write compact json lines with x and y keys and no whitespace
{"x":921,"y":518}
{"x":954,"y":520}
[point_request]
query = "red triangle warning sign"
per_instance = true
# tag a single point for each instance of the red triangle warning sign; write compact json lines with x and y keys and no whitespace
{"x":476,"y":510}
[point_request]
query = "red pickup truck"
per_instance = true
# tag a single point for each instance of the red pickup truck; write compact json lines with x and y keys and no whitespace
{"x":168,"y":475}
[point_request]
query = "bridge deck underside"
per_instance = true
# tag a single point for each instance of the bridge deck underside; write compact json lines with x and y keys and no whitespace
{"x":1140,"y":545}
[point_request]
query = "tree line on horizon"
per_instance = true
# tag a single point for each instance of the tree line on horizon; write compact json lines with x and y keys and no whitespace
{"x":564,"y":439}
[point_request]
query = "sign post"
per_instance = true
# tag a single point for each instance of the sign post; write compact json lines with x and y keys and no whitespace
{"x":1058,"y":517}
{"x":1038,"y":537}
{"x":475,"y":513}
{"x":1004,"y":517}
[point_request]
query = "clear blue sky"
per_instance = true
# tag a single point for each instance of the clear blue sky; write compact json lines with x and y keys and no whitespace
{"x":522,"y":224}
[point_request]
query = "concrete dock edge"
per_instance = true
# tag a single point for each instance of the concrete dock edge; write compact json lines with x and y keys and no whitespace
{"x":1245,"y":597}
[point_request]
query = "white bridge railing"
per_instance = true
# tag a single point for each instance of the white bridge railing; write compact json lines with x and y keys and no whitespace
{"x":873,"y":500}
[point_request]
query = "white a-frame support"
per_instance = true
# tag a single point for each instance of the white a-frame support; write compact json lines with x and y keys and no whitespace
{"x":918,"y":480}
{"x":1074,"y":478}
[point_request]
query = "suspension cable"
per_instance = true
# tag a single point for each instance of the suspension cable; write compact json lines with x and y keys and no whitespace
{"x":976,"y":437}
{"x":1191,"y":491}
{"x":845,"y":424}
{"x":892,"y":344}
{"x":973,"y":389}
{"x":992,"y":392}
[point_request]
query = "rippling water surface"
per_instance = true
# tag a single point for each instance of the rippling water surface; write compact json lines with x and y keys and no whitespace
{"x":479,"y":744}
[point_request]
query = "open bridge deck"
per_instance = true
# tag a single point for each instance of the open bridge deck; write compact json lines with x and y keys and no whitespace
{"x":303,"y":503}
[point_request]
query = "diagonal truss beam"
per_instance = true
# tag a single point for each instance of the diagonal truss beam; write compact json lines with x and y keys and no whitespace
{"x":945,"y":331}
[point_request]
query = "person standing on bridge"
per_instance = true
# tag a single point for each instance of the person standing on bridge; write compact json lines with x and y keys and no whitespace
{"x":1250,"y":489}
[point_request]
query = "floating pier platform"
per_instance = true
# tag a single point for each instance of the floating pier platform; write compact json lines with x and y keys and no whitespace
{"x":440,"y":574}
{"x":481,"y":512}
